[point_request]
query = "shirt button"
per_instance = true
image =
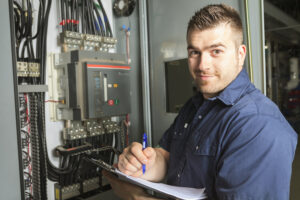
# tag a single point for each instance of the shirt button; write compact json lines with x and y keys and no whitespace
{"x":178,"y":175}
{"x":197,"y":147}
{"x":200,"y":117}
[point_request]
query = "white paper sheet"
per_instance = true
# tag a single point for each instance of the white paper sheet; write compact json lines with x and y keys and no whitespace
{"x":174,"y":191}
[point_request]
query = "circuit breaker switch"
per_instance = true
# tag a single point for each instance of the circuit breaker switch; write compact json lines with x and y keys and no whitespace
{"x":110,"y":102}
{"x":105,"y":87}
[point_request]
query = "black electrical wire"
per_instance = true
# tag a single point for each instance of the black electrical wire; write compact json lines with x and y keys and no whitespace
{"x":67,"y":15}
{"x":99,"y":22}
{"x":107,"y":24}
{"x":43,"y":43}
{"x":77,"y":16}
{"x":40,"y":20}
{"x":62,"y":10}
{"x":89,"y":18}
{"x":73,"y":14}
{"x":42,"y":146}
{"x":93,"y":19}
{"x":83,"y":20}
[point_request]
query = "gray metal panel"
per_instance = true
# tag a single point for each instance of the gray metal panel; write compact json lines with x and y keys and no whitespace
{"x":145,"y":69}
{"x":256,"y":23}
{"x":167,"y":31}
{"x":32,"y":88}
{"x":10,"y":188}
{"x":95,"y":105}
{"x":136,"y":115}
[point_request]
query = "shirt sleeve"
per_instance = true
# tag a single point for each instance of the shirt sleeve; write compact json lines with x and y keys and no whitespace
{"x":256,"y":159}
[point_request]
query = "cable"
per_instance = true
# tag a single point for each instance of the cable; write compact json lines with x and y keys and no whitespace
{"x":107,"y":24}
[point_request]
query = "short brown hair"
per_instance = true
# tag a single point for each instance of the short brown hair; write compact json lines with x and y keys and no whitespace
{"x":213,"y":15}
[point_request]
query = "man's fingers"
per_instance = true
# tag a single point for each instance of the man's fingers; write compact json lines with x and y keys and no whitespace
{"x":133,"y":160}
{"x":138,"y":153}
{"x":149,"y":152}
{"x":125,"y":171}
{"x":126,"y":164}
{"x":137,"y":174}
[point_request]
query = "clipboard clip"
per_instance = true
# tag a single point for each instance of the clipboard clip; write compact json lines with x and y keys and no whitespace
{"x":102,"y":164}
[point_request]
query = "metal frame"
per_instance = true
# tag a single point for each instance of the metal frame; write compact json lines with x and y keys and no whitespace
{"x":263,"y":60}
{"x":249,"y":48}
{"x":145,"y":68}
{"x":11,"y":183}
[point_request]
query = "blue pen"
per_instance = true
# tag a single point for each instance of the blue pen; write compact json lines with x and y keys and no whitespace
{"x":145,"y":144}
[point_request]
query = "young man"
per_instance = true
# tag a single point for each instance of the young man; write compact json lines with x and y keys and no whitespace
{"x":229,"y":138}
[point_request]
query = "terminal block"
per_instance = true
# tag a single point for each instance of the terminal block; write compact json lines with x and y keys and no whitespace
{"x":75,"y":131}
{"x":74,"y":190}
{"x":28,"y":69}
{"x":111,"y":127}
{"x":75,"y":41}
{"x":94,"y":128}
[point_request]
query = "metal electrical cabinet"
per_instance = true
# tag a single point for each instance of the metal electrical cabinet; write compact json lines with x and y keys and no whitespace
{"x":92,"y":100}
{"x":10,"y":178}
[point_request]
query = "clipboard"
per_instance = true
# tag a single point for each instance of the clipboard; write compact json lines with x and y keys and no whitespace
{"x":176,"y":192}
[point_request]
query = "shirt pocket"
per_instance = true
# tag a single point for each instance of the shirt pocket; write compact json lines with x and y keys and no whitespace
{"x":178,"y":142}
{"x":204,"y":149}
{"x":202,"y":163}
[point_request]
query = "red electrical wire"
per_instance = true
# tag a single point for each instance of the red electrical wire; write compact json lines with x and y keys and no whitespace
{"x":53,"y":101}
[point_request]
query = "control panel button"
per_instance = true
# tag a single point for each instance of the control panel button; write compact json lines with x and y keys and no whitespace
{"x":116,"y":85}
{"x":110,"y":102}
{"x":117,"y":101}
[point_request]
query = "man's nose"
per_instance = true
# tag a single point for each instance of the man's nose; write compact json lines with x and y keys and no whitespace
{"x":204,"y":62}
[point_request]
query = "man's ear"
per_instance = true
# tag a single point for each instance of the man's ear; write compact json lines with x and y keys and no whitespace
{"x":242,"y":54}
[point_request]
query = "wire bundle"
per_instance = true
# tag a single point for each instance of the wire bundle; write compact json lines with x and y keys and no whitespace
{"x":90,"y":14}
{"x":25,"y":36}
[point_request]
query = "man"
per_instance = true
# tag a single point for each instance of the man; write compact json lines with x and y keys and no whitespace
{"x":229,"y":138}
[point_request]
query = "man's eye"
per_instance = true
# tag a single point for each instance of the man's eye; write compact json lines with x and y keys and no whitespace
{"x":216,"y":51}
{"x":194,"y":53}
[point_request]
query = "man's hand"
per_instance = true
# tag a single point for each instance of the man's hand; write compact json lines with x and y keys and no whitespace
{"x":133,"y":157}
{"x":126,"y":191}
{"x":155,"y":159}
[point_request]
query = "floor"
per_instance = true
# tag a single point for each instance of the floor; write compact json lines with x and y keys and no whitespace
{"x":295,"y":182}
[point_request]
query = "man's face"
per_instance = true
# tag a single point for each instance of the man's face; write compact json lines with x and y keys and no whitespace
{"x":215,"y":58}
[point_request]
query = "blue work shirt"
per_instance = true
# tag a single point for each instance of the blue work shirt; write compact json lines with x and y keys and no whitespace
{"x":237,"y":145}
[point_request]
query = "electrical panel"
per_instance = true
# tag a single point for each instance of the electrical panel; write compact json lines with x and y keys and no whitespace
{"x":86,"y":86}
{"x":92,"y":85}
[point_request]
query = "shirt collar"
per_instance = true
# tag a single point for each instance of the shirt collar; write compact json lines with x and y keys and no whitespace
{"x":232,"y":93}
{"x":237,"y":88}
